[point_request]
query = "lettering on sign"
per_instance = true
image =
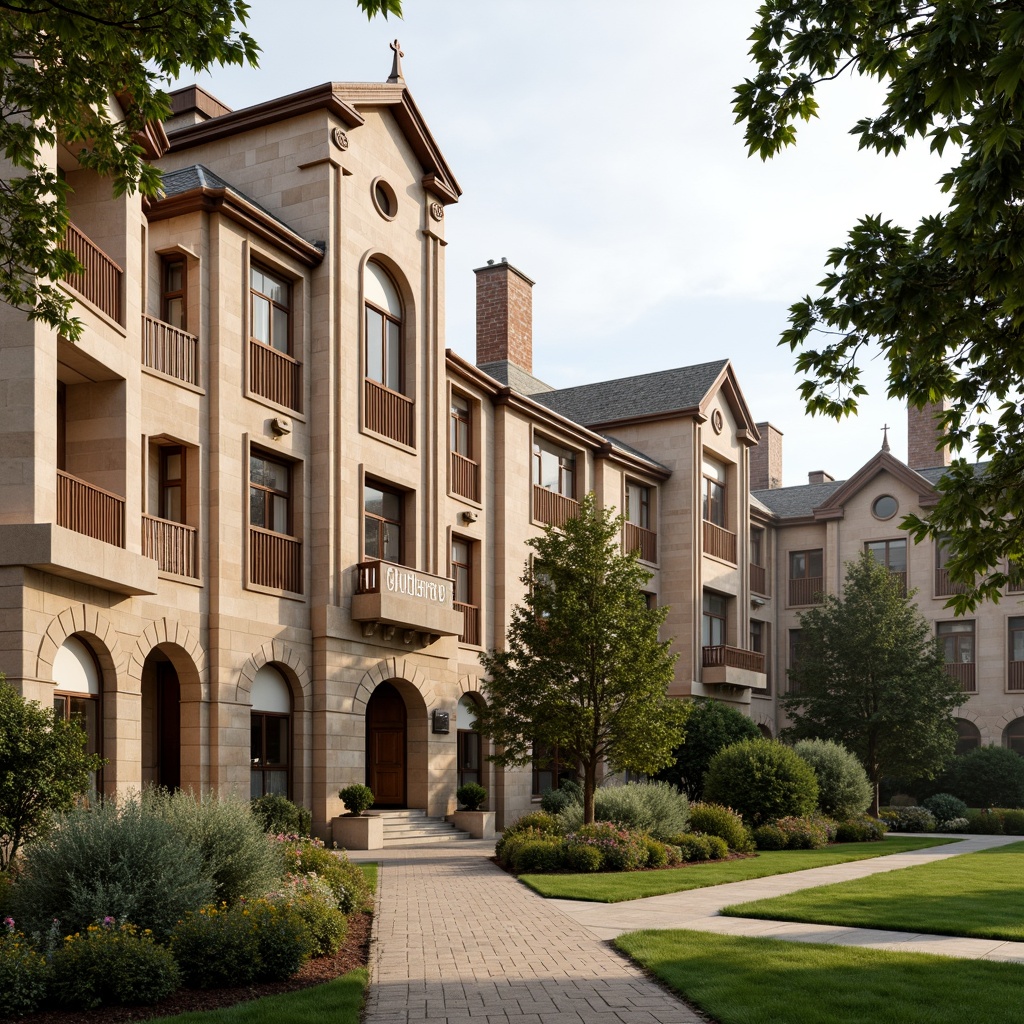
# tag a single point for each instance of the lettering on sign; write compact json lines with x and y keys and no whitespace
{"x":400,"y":581}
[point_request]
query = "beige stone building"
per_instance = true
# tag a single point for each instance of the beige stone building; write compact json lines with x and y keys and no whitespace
{"x":259,"y":522}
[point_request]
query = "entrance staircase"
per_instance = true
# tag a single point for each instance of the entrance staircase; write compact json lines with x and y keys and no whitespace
{"x":414,"y":828}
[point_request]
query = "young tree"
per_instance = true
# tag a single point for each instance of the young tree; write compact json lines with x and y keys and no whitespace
{"x":61,"y":61}
{"x":872,"y":677}
{"x":583,"y":669}
{"x":944,"y":300}
{"x":44,"y":767}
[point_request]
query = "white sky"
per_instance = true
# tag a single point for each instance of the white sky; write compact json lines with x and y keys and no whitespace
{"x":595,"y":144}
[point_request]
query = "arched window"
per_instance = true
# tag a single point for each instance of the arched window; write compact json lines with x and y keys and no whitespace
{"x":469,"y":742}
{"x":1013,"y":737}
{"x":383,"y":329}
{"x":78,"y":691}
{"x":967,"y":736}
{"x":270,"y":733}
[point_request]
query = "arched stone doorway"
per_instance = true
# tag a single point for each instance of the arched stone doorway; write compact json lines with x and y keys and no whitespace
{"x":386,"y":749}
{"x":161,"y":722}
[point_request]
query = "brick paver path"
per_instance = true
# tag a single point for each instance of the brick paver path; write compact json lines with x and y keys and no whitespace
{"x":457,"y":940}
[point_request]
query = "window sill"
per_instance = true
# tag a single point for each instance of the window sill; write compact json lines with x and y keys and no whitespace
{"x":183,"y":384}
{"x":288,"y":595}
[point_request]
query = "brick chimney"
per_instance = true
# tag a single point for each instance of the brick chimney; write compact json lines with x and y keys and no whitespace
{"x":504,"y":315}
{"x":766,"y":459}
{"x":923,"y":437}
{"x":819,"y":476}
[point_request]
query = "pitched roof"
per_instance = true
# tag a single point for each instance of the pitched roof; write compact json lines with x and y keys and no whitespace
{"x":515,"y":377}
{"x":648,"y":394}
{"x":802,"y":500}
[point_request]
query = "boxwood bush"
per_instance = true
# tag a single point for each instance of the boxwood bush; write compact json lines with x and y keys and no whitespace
{"x":843,"y":787}
{"x":279,"y":816}
{"x":945,"y":807}
{"x":986,"y":777}
{"x":716,"y":820}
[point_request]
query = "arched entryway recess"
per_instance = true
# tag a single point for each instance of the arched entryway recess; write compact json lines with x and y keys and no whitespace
{"x":396,"y":745}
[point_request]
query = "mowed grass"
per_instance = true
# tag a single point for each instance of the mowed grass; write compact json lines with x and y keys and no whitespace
{"x":370,"y":870}
{"x":339,"y":1001}
{"x":634,"y":885}
{"x":979,"y":895}
{"x":765,"y":981}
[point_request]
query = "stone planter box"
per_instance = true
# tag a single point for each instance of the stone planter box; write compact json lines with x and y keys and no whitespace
{"x":362,"y":832}
{"x":479,"y":824}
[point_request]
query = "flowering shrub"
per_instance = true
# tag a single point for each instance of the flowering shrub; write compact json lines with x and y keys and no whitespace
{"x":251,"y":941}
{"x":314,"y":901}
{"x":24,"y":974}
{"x":953,"y":825}
{"x":303,"y":856}
{"x":863,"y":829}
{"x":945,"y":806}
{"x":621,"y":850}
{"x":109,"y":964}
{"x":809,"y":832}
{"x":716,"y":820}
{"x":909,"y":819}
{"x":656,"y":808}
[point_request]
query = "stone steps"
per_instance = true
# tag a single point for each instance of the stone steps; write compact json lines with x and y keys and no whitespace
{"x":414,"y":828}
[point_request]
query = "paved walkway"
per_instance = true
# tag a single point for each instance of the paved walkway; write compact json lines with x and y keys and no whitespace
{"x":459,"y":941}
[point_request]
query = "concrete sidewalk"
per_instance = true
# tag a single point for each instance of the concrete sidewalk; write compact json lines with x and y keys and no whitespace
{"x":456,"y":940}
{"x":700,"y":908}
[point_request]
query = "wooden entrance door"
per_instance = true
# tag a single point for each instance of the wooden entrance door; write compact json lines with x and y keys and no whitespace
{"x":385,"y":746}
{"x":168,"y":718}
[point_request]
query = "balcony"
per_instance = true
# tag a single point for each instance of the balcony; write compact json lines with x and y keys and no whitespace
{"x":901,"y":580}
{"x":470,"y":623}
{"x":100,"y":280}
{"x":963,"y":673}
{"x":732,"y":666}
{"x":89,"y":510}
{"x":275,"y":375}
{"x":807,"y":590}
{"x":641,"y":540}
{"x":275,"y":560}
{"x":465,"y":477}
{"x":169,"y":350}
{"x":173,"y":545}
{"x":1015,"y":676}
{"x":758,"y":579}
{"x":552,"y":508}
{"x":719,"y":543}
{"x":388,"y":413}
{"x":390,"y":597}
{"x":944,"y":586}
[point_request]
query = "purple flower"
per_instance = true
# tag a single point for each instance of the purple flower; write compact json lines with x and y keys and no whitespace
{"x":9,"y":921}
{"x":109,"y":922}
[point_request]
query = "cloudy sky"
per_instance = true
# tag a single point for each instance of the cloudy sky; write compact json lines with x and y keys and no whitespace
{"x":595,"y":146}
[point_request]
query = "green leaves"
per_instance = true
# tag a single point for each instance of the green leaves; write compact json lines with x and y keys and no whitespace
{"x":943,"y":303}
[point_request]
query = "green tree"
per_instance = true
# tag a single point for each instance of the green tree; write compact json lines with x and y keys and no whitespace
{"x":44,"y":768}
{"x":872,"y":677}
{"x":583,"y":669}
{"x":711,"y":726}
{"x":943,"y":300}
{"x":90,"y":74}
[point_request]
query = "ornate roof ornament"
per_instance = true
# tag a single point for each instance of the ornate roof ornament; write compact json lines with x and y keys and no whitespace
{"x":396,"y":64}
{"x":885,"y":438}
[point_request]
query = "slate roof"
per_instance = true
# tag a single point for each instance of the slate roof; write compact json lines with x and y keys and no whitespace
{"x":802,"y":500}
{"x":514,"y":377}
{"x":189,"y":179}
{"x":630,"y":450}
{"x":646,"y":394}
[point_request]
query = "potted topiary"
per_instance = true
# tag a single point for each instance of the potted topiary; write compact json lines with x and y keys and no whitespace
{"x":355,"y":830}
{"x":479,"y":824}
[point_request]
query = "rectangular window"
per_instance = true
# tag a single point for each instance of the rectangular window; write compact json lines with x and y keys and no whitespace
{"x":713,"y":627}
{"x":554,"y":468}
{"x":757,"y":546}
{"x":1015,"y":674}
{"x":461,"y":438}
{"x":794,"y":657}
{"x":548,"y":769}
{"x":890,"y":553}
{"x":270,"y":319}
{"x":172,"y":483}
{"x":382,"y":523}
{"x":462,"y":570}
{"x":957,"y":639}
{"x":806,"y":582}
{"x":85,"y":711}
{"x":268,"y":754}
{"x":714,"y":495}
{"x":759,"y":643}
{"x":383,"y":349}
{"x":172,"y":292}
{"x":638,"y":505}
{"x":269,"y":494}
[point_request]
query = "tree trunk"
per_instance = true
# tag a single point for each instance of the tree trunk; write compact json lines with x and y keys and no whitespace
{"x":873,"y":809}
{"x":589,"y":785}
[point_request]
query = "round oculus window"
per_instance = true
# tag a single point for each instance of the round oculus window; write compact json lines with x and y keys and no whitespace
{"x":885,"y":507}
{"x":384,"y":199}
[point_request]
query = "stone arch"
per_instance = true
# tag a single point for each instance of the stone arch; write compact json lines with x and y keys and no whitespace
{"x":96,"y":628}
{"x":183,"y":648}
{"x":764,"y":722}
{"x":292,"y":667}
{"x":398,"y":671}
{"x":1006,"y":721}
{"x":982,"y":725}
{"x":470,"y":684}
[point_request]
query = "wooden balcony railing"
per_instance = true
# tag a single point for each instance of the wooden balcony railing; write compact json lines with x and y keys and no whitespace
{"x":554,"y":509}
{"x":758,"y":579}
{"x":275,"y":375}
{"x":732,"y":657}
{"x":471,"y":623}
{"x":719,"y":543}
{"x":901,"y":579}
{"x":1015,"y":676}
{"x":465,"y":477}
{"x":100,"y":280}
{"x":642,"y":540}
{"x":89,"y":510}
{"x":944,"y":586}
{"x":806,"y":591}
{"x":170,"y":350}
{"x":173,"y":545}
{"x":388,"y":413}
{"x":275,"y":560}
{"x":963,"y":673}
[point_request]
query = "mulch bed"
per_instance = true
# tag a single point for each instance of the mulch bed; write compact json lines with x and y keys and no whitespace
{"x":354,"y":953}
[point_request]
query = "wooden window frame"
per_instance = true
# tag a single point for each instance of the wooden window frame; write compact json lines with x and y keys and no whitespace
{"x":288,"y":494}
{"x":564,"y":455}
{"x":956,"y":636}
{"x":257,"y":267}
{"x":709,"y":501}
{"x":710,"y":617}
{"x":385,"y":348}
{"x":965,"y":744}
{"x":807,"y":553}
{"x":166,"y":483}
{"x":263,"y":768}
{"x":868,"y":544}
{"x":461,"y":425}
{"x":467,"y":570}
{"x":643,"y":519}
{"x":168,"y":294}
{"x":383,"y":522}
{"x":758,"y":548}
{"x":540,"y":765}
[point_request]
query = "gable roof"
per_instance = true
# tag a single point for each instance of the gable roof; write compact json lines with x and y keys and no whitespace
{"x":799,"y":501}
{"x":881,"y":462}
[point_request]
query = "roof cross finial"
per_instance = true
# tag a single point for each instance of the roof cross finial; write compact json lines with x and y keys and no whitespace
{"x":396,"y":64}
{"x":885,"y":438}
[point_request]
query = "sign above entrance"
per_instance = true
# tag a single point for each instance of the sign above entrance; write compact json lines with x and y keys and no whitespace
{"x":396,"y":597}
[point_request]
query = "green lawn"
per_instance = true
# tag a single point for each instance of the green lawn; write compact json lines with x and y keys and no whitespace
{"x":633,"y":885}
{"x":979,"y":895}
{"x":765,"y":981}
{"x":339,"y":1001}
{"x":370,"y":870}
